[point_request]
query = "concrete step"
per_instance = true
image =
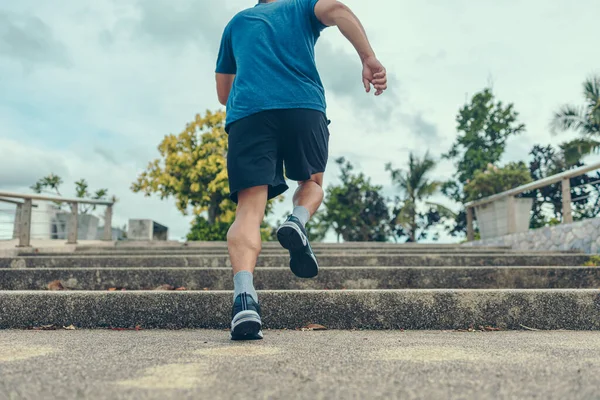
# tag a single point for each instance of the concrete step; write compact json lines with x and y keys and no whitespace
{"x":421,"y":260}
{"x":158,"y":246}
{"x":274,"y":251}
{"x":329,"y":278}
{"x":368,"y":309}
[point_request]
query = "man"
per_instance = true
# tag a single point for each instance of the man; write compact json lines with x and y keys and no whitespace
{"x":267,"y":77}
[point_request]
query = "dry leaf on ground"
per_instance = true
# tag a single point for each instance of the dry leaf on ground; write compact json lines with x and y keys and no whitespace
{"x":469,"y":329}
{"x":56,"y":285}
{"x":137,"y":328}
{"x":166,"y":286}
{"x":491,"y":329}
{"x":314,"y":327}
{"x":528,"y":328}
{"x":44,"y":328}
{"x":69,"y":328}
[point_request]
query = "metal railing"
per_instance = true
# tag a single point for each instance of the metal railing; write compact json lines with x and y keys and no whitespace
{"x":24,"y":209}
{"x":509,"y":195}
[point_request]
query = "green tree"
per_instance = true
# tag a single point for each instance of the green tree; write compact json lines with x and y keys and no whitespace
{"x":497,"y":180}
{"x":484,"y":126}
{"x":355,"y":209}
{"x":582,"y":119}
{"x":82,"y":191}
{"x":547,"y":161}
{"x":51,"y":184}
{"x":415,"y":188}
{"x":192,"y":168}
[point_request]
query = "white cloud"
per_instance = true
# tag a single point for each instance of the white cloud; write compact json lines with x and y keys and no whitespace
{"x":29,"y":40}
{"x":21,"y":165}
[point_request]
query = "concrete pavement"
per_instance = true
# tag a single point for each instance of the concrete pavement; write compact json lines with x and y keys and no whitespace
{"x":202,"y":364}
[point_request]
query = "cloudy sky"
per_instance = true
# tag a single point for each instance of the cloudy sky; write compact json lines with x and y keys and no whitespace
{"x":89,"y":88}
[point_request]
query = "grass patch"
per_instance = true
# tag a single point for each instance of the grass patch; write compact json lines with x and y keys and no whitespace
{"x":594,"y":261}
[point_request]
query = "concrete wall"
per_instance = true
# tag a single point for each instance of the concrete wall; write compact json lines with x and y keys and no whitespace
{"x":87,"y":226}
{"x":493,"y":219}
{"x":139,"y":229}
{"x":43,"y":217}
{"x":146,"y":229}
{"x":581,"y":236}
{"x":117,"y":234}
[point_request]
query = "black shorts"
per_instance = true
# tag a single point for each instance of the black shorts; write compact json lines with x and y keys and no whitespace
{"x":261,"y":144}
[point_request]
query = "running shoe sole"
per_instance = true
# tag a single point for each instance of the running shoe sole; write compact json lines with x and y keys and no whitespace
{"x":246,"y":326}
{"x":302,"y":264}
{"x":291,"y":237}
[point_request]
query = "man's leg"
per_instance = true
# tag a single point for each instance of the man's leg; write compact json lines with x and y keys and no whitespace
{"x":292,"y":233}
{"x":244,"y":244}
{"x":308,"y":198}
{"x":243,"y":239}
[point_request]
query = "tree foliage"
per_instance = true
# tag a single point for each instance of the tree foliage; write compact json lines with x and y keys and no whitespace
{"x":584,"y":120}
{"x":192,"y":168}
{"x":355,"y":209}
{"x":415,"y":188}
{"x":547,"y":161}
{"x":484,"y":126}
{"x":51,"y":185}
{"x":497,"y":180}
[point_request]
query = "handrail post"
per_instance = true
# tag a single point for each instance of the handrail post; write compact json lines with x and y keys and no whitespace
{"x":72,"y":226}
{"x":108,"y":223}
{"x":470,"y":230}
{"x":17,"y":224}
{"x":25,"y":224}
{"x":511,"y":213}
{"x":567,"y":210}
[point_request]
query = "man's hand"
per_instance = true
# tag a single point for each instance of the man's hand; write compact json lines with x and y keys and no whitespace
{"x":374,"y":73}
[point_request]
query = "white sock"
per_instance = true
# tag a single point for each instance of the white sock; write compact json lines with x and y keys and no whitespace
{"x":243,"y":282}
{"x":302,"y":214}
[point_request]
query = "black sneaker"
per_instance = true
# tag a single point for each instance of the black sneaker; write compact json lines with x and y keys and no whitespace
{"x":292,"y":236}
{"x":245,"y":322}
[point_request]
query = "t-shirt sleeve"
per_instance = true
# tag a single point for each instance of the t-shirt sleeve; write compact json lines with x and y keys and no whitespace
{"x":226,"y":61}
{"x":310,"y":10}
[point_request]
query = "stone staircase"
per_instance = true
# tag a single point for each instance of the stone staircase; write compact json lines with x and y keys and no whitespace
{"x":360,"y":286}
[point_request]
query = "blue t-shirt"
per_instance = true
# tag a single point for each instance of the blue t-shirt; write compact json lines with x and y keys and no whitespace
{"x":271,"y":50}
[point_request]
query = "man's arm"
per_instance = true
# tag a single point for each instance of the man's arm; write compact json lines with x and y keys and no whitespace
{"x":226,"y":67}
{"x":335,"y":13}
{"x":224,"y":84}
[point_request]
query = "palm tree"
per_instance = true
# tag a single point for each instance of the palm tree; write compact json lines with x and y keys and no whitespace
{"x":415,"y":188}
{"x":585,"y":120}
